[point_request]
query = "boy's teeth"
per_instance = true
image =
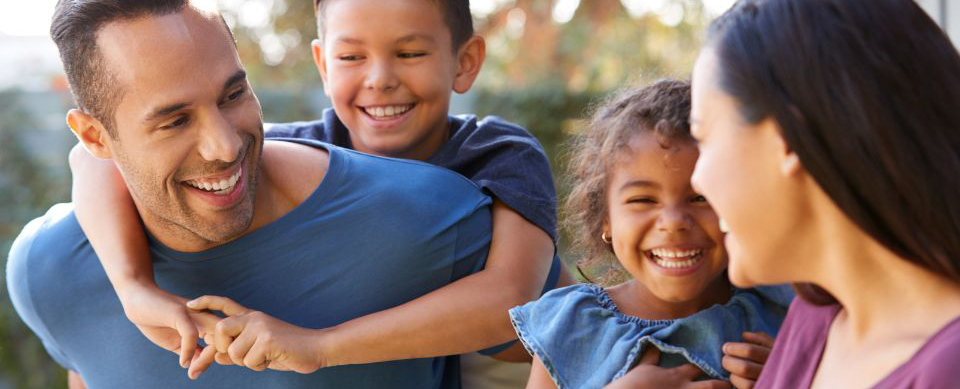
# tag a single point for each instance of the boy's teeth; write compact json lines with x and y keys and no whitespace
{"x":388,"y":111}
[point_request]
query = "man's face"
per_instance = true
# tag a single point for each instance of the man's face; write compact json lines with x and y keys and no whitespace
{"x":189,"y":129}
{"x":389,"y":69}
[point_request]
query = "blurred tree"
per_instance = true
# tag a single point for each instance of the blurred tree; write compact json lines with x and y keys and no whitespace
{"x":26,"y":190}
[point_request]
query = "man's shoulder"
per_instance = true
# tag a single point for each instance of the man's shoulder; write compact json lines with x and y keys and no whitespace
{"x":55,"y":231}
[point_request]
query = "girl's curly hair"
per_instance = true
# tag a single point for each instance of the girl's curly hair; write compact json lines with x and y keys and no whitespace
{"x":663,"y":108}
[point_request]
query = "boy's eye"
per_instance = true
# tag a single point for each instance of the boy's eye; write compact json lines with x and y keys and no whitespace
{"x":411,"y":55}
{"x":350,"y":57}
{"x":180,"y":122}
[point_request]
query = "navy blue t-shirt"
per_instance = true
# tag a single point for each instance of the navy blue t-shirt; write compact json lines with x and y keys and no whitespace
{"x":504,"y":159}
{"x":376,"y":233}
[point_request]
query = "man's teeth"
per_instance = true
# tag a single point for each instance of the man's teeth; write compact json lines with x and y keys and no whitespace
{"x":678,"y":259}
{"x":387,"y":112}
{"x":219,"y":187}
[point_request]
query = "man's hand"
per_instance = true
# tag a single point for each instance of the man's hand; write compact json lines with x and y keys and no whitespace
{"x":256,"y":340}
{"x":648,"y":375}
{"x":744,"y":360}
{"x":164,"y":320}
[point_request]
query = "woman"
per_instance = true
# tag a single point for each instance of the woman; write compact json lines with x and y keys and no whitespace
{"x":829,"y":138}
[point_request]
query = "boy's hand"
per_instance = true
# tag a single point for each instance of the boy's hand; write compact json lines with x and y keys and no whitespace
{"x":648,"y":375}
{"x":744,"y":360}
{"x":256,"y":340}
{"x":164,"y":320}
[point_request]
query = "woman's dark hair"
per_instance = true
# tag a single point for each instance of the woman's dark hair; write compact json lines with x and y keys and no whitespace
{"x":866,"y":95}
{"x":662,"y":108}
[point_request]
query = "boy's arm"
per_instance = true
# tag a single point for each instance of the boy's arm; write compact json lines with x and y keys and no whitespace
{"x":467,"y":315}
{"x":110,"y":221}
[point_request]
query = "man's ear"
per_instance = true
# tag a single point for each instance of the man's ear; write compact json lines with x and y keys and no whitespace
{"x":90,"y":132}
{"x":469,"y":61}
{"x":321,"y":62}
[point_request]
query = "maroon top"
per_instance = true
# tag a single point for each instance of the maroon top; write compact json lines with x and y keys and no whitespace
{"x":799,"y":347}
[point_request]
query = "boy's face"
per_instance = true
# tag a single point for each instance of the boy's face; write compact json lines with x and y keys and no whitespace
{"x":389,"y":68}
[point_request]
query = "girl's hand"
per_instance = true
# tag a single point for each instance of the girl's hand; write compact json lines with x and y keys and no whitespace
{"x":256,"y":340}
{"x":648,"y":375}
{"x":744,"y":360}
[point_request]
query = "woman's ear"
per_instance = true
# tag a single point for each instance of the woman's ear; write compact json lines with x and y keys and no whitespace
{"x":788,"y":160}
{"x":91,"y":133}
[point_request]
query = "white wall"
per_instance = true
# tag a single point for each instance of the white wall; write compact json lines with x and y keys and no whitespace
{"x":946,"y":13}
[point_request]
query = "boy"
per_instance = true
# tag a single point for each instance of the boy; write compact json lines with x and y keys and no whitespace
{"x":389,"y":68}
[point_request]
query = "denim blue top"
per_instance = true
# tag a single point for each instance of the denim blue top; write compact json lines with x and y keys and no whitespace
{"x":584,"y":341}
{"x":376,"y":233}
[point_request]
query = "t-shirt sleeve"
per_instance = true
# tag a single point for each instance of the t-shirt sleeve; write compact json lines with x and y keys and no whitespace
{"x":19,"y":288}
{"x":508,"y":163}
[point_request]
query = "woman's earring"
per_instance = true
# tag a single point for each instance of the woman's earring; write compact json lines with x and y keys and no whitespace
{"x":606,"y":239}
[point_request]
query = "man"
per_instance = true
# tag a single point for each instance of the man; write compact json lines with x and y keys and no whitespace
{"x":314,"y":236}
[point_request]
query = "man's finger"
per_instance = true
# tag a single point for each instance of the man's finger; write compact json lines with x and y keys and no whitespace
{"x":217,"y":303}
{"x":240,"y":347}
{"x":760,"y":338}
{"x":747,"y":351}
{"x":651,"y":356}
{"x":741,"y":383}
{"x":256,"y":357}
{"x":741,"y":367}
{"x":201,"y":362}
{"x":188,"y":339}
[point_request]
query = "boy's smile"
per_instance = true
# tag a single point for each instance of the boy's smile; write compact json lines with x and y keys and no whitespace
{"x":389,"y":67}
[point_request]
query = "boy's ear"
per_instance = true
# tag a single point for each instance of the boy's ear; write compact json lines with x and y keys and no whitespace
{"x":90,"y":132}
{"x":469,"y":61}
{"x":321,"y":61}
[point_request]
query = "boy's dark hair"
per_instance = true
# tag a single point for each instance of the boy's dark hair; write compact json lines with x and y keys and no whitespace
{"x":864,"y":92}
{"x":74,"y":30}
{"x":456,"y":15}
{"x":662,"y":108}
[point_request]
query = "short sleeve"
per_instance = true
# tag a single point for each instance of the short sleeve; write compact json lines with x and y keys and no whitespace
{"x":21,"y":295}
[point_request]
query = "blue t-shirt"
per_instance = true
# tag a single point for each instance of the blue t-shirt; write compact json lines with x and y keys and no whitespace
{"x":376,"y":233}
{"x":585,"y":342}
{"x":504,"y":159}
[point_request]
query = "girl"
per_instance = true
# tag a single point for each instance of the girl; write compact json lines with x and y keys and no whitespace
{"x":829,"y":141}
{"x":632,"y":197}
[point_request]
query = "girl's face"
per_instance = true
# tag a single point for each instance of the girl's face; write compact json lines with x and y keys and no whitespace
{"x":664,"y":233}
{"x":745,"y":170}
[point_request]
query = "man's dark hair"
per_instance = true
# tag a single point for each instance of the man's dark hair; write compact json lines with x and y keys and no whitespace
{"x":74,"y":30}
{"x":456,"y":15}
{"x":864,"y":92}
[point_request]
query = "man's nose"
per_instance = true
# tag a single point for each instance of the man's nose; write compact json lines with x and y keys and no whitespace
{"x":674,"y":218}
{"x":381,"y":76}
{"x":219,"y":140}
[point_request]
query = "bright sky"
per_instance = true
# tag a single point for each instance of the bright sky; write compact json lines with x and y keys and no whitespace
{"x":32,"y":17}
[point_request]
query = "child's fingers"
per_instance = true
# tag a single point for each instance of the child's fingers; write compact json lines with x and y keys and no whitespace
{"x":760,"y":338}
{"x":217,"y":303}
{"x":651,"y":356}
{"x":226,"y":330}
{"x":223,"y":359}
{"x":709,"y":384}
{"x":689,"y":371}
{"x":201,"y":362}
{"x":188,"y":338}
{"x":741,"y":383}
{"x":741,"y":367}
{"x":747,"y":351}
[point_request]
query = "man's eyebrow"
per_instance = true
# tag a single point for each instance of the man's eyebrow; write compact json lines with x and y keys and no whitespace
{"x":240,"y":75}
{"x":164,"y":111}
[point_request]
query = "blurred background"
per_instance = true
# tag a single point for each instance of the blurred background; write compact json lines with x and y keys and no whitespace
{"x":548,"y":60}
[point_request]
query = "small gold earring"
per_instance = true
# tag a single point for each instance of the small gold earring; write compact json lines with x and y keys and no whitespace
{"x":606,"y":239}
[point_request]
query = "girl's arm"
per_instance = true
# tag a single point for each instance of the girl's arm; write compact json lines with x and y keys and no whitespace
{"x":110,"y":221}
{"x":539,"y":378}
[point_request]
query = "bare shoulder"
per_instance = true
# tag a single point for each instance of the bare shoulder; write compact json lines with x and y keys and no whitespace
{"x":295,"y":169}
